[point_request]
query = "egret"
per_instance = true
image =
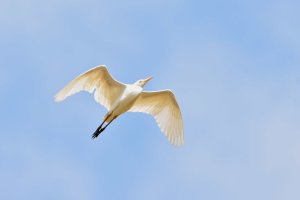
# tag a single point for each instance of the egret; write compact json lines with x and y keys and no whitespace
{"x":119,"y":98}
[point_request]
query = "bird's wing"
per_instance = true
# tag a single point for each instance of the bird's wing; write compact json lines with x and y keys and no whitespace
{"x":99,"y":79}
{"x":163,"y":106}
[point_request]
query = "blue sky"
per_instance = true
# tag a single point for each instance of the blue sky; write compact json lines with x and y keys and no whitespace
{"x":233,"y":65}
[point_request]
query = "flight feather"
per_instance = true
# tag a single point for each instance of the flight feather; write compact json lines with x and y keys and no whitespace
{"x":162,"y":105}
{"x":98,"y":79}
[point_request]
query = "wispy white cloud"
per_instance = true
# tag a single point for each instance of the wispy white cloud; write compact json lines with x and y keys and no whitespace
{"x":239,"y":99}
{"x":35,"y":172}
{"x":241,"y":123}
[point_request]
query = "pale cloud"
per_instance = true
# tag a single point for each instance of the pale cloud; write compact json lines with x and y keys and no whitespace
{"x":282,"y":21}
{"x":241,"y":131}
{"x":35,"y":172}
{"x":240,"y":103}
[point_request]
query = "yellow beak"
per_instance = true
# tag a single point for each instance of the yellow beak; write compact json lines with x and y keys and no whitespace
{"x":148,"y":79}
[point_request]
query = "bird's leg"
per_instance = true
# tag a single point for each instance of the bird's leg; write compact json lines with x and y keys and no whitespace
{"x":97,"y":132}
{"x":100,"y":130}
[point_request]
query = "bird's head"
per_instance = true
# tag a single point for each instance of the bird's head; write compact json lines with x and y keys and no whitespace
{"x":143,"y":82}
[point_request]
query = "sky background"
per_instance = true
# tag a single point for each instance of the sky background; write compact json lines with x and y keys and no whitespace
{"x":233,"y":65}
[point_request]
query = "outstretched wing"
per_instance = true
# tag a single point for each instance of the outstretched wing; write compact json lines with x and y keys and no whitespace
{"x":99,"y":79}
{"x":162,"y":105}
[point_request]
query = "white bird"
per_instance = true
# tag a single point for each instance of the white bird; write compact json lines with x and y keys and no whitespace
{"x":119,"y":98}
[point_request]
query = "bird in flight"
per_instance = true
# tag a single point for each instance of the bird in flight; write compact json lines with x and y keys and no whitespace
{"x":119,"y":98}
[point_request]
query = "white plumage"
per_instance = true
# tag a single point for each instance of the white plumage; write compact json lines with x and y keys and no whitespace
{"x":119,"y":98}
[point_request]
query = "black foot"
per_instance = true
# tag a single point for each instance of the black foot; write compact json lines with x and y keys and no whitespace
{"x":95,"y":135}
{"x":97,"y":132}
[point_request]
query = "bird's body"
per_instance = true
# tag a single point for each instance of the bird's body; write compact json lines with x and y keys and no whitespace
{"x":119,"y":98}
{"x":125,"y":101}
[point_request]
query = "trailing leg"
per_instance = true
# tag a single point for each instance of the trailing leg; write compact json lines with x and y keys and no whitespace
{"x":100,"y":129}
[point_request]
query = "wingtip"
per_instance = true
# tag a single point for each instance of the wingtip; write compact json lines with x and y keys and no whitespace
{"x":57,"y":98}
{"x":177,"y":142}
